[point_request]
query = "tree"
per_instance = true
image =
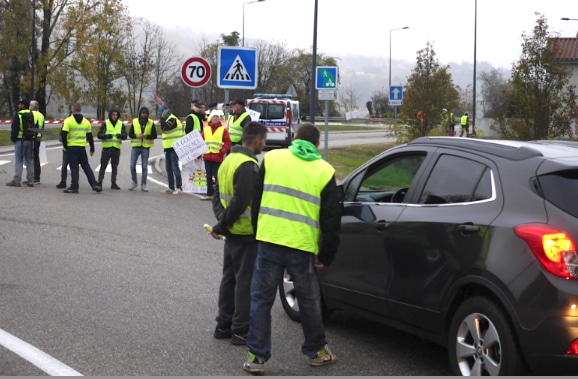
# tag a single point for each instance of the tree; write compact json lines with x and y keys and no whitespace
{"x":494,"y":90}
{"x":429,"y":89}
{"x":380,"y":100}
{"x":348,"y":97}
{"x":369,"y":106}
{"x":541,"y":96}
{"x":232,"y":39}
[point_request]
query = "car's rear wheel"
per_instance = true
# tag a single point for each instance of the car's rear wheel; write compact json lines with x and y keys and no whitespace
{"x":482,"y":342}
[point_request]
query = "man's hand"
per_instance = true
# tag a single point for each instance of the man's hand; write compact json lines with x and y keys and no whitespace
{"x":318,"y":265}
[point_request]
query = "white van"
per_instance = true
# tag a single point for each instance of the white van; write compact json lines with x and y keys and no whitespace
{"x":280,"y":114}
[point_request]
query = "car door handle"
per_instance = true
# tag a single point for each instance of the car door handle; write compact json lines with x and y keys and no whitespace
{"x":468,"y":228}
{"x":381,"y":225}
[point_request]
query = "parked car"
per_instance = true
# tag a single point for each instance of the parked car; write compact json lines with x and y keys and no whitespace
{"x":468,"y":243}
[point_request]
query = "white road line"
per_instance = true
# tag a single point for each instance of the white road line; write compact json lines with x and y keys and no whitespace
{"x":37,"y":357}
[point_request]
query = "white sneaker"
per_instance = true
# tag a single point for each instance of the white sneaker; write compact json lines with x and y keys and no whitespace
{"x":177,"y":191}
{"x":168,"y":190}
{"x":144,"y":188}
{"x":132,"y":186}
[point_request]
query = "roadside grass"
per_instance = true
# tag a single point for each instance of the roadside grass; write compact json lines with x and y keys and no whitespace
{"x":347,"y":158}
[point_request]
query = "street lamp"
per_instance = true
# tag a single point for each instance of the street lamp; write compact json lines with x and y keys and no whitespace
{"x":249,"y":2}
{"x":569,"y":19}
{"x":389,"y":88}
{"x":475,"y":49}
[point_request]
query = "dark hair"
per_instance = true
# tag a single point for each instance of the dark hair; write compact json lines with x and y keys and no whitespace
{"x":253,"y":131}
{"x":240,"y":102}
{"x":308,"y":132}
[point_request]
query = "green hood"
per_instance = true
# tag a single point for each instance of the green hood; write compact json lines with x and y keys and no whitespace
{"x":304,"y":150}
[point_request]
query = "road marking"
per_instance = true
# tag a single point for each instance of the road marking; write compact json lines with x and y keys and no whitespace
{"x":4,"y":162}
{"x":37,"y":357}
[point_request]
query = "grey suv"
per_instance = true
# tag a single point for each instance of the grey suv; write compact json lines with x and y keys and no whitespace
{"x":469,"y":243}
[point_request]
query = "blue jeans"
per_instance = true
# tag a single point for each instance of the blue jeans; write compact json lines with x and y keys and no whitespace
{"x":173,"y":170}
{"x":24,"y":154}
{"x":144,"y":161}
{"x":269,"y":266}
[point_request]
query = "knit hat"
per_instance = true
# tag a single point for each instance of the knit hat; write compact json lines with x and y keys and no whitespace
{"x":161,"y":110}
{"x":213,"y":113}
{"x":24,"y":102}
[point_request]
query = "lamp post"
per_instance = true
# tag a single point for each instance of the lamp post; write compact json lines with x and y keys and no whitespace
{"x":248,"y":2}
{"x":313,"y":68}
{"x":389,"y":88}
{"x":33,"y":50}
{"x":569,"y":19}
{"x":475,"y":49}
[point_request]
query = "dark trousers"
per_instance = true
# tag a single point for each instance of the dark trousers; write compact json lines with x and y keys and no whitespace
{"x":212,"y":169}
{"x":64,"y":169}
{"x":77,"y":156}
{"x":111,"y":154}
{"x":37,"y":160}
{"x":235,"y":290}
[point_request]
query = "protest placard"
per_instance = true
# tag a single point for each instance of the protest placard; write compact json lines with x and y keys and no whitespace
{"x":190,"y":147}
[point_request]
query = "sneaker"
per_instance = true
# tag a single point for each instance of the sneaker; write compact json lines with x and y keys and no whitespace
{"x":144,"y":188}
{"x":205,"y":198}
{"x":114,"y":186}
{"x":132,"y":186}
{"x":168,"y":191}
{"x":70,"y":190}
{"x":254,"y":365}
{"x":27,"y":183}
{"x":36,"y":182}
{"x":323,"y":357}
{"x":222,"y":333}
{"x":61,"y":185}
{"x":239,"y":339}
{"x":13,"y":184}
{"x":97,"y":188}
{"x":178,"y":191}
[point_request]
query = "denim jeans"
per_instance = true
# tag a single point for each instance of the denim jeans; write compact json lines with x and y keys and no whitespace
{"x":173,"y":170}
{"x":24,"y":154}
{"x":144,"y":161}
{"x":269,"y":266}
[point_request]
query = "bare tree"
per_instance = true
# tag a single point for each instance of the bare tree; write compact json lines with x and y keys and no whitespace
{"x":348,"y":97}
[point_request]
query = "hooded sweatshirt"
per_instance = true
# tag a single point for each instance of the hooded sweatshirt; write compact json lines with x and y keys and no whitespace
{"x":78,"y":117}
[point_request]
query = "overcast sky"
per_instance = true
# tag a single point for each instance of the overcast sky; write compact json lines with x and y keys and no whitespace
{"x":363,"y":26}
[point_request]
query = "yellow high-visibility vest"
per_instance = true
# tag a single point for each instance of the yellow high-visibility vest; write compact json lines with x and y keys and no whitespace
{"x":235,"y":128}
{"x":76,"y":132}
{"x":172,"y":136}
{"x":114,"y":130}
{"x":142,"y":142}
{"x":213,"y":141}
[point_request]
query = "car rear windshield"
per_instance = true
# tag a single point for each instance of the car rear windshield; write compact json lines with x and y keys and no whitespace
{"x":269,"y":111}
{"x":560,"y":189}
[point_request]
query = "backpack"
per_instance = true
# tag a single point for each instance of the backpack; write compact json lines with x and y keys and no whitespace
{"x":28,"y":127}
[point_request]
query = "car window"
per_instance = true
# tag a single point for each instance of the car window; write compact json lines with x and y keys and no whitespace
{"x":275,"y":111}
{"x":559,"y":188}
{"x":457,"y":180}
{"x":258,"y":107}
{"x":385,"y":181}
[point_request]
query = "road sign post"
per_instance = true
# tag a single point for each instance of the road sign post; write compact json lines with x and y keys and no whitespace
{"x":196,"y":72}
{"x":395,"y":98}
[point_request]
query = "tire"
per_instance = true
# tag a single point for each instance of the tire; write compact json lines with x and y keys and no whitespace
{"x":482,"y":341}
{"x":288,"y":298}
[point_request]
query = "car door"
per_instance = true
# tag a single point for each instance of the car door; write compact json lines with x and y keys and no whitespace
{"x":441,"y":236}
{"x":373,"y":201}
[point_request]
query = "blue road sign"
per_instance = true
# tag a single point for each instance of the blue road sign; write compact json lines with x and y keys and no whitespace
{"x":326,"y":77}
{"x":395,"y":95}
{"x":237,"y":67}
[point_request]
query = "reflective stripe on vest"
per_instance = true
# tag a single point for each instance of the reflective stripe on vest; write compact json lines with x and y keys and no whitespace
{"x":76,"y":132}
{"x":291,"y":202}
{"x":213,"y":141}
{"x":171,"y":136}
{"x":114,"y":130}
{"x":235,"y":128}
{"x":140,"y":142}
{"x":242,"y":226}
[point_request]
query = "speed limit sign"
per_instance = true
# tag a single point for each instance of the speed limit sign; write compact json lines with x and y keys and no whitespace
{"x":196,"y":72}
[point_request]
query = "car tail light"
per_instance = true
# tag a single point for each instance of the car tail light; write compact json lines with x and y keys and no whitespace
{"x":573,"y":349}
{"x":553,"y":247}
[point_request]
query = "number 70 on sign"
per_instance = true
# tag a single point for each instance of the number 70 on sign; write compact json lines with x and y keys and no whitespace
{"x":196,"y":72}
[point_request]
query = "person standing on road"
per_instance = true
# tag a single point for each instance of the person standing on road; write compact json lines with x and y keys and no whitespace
{"x":218,"y":141}
{"x":232,"y":208}
{"x":465,"y":123}
{"x":23,"y":145}
{"x":172,"y":130}
{"x":142,"y":135}
{"x":64,"y":167}
{"x":76,"y":132}
{"x":297,"y":214}
{"x":39,"y":124}
{"x":194,"y":120}
{"x":240,"y":120}
{"x":112,"y":133}
{"x":231,"y":114}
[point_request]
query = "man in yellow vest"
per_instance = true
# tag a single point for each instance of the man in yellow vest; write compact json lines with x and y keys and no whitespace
{"x":23,"y":145}
{"x":142,"y":137}
{"x":39,"y":123}
{"x":172,"y":130}
{"x":297,"y":210}
{"x":465,"y":123}
{"x":218,"y":141}
{"x":240,"y":120}
{"x":112,"y":133}
{"x":230,"y":113}
{"x":232,"y":208}
{"x":194,"y":120}
{"x":76,"y":132}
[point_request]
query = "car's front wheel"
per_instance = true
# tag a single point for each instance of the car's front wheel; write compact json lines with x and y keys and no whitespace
{"x":482,"y":342}
{"x":288,"y":298}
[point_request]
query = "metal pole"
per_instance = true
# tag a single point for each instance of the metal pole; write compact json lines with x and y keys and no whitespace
{"x":32,"y":60}
{"x":243,"y":31}
{"x":326,"y":130}
{"x":313,"y":68}
{"x":475,"y":60}
{"x":389,"y":88}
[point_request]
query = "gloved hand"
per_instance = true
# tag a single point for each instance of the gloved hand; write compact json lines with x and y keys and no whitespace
{"x":119,"y":135}
{"x":108,"y":136}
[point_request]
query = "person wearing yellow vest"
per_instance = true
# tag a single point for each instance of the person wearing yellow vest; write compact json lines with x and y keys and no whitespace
{"x":230,"y":113}
{"x":465,"y":123}
{"x":39,"y":123}
{"x":76,"y":132}
{"x":296,"y":215}
{"x":172,"y":130}
{"x":112,"y":133}
{"x":23,"y":147}
{"x":232,"y":208}
{"x":239,"y":121}
{"x":142,"y":137}
{"x":194,"y":120}
{"x":218,"y":141}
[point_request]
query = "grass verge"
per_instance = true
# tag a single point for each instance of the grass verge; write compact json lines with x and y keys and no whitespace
{"x":347,"y":158}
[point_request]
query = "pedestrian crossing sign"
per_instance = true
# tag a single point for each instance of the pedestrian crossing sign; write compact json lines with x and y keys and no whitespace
{"x":237,"y":67}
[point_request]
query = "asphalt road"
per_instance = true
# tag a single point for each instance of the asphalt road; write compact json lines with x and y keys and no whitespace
{"x":125,"y":283}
